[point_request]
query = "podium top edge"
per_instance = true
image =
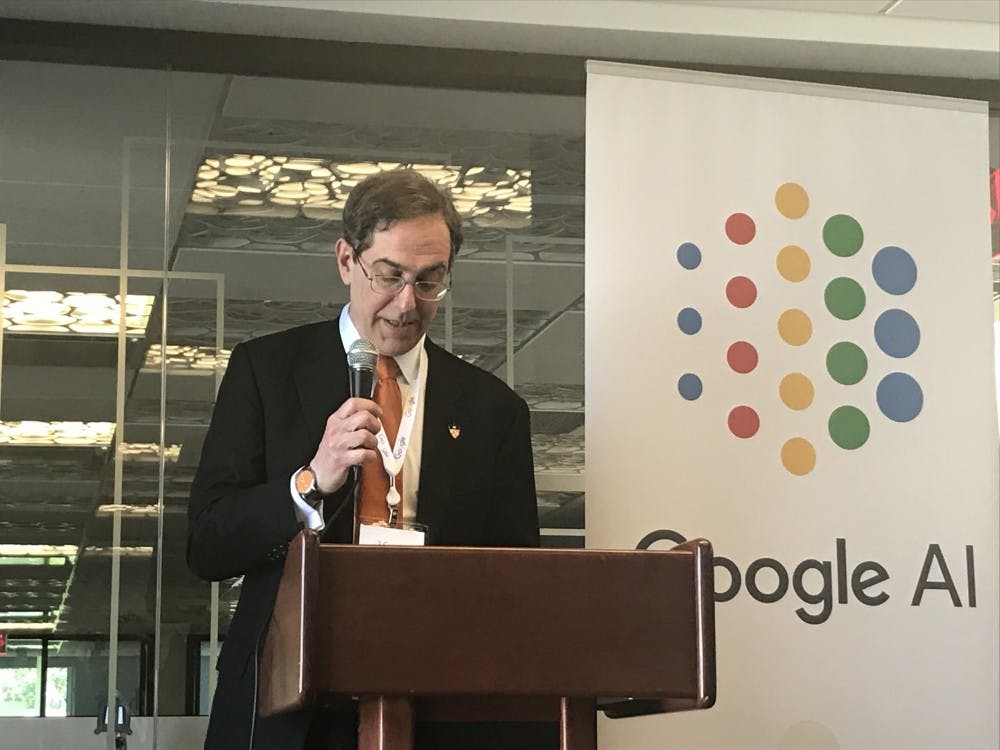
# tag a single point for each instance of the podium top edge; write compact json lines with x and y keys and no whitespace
{"x":687,"y":547}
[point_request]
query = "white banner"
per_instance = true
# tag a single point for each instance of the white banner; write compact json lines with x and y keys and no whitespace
{"x":789,"y":352}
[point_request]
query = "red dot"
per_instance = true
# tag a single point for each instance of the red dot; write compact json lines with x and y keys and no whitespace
{"x":740,"y":228}
{"x":743,"y":422}
{"x":742,"y":357}
{"x":741,"y":292}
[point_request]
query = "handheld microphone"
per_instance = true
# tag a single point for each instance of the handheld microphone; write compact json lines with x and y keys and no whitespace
{"x":361,"y":361}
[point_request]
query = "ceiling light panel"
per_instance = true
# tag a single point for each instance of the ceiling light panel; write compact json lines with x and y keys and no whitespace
{"x":38,"y":550}
{"x":56,"y":433}
{"x":187,"y":358}
{"x":149,"y":452}
{"x":27,"y":626}
{"x":138,"y":511}
{"x":92,"y":314}
{"x":317,"y":188}
{"x":140,"y":551}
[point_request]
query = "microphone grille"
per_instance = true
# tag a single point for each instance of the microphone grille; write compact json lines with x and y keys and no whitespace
{"x":362,"y":355}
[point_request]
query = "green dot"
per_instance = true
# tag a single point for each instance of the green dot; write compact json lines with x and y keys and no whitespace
{"x":845,"y":299}
{"x":846,"y":363}
{"x":842,"y":235}
{"x":849,"y":427}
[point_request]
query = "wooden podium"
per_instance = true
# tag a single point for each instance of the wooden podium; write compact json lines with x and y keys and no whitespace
{"x":485,"y":634}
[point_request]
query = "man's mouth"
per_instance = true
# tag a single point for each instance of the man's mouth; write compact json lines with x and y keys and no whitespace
{"x":398,"y":323}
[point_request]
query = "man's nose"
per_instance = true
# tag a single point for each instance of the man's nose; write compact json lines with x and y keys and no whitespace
{"x":406,"y":298}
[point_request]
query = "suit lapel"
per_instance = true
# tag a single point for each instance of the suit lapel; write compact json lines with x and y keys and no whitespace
{"x":442,"y":409}
{"x":321,"y":378}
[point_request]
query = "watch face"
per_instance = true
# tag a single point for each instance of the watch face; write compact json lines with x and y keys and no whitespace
{"x":304,"y":481}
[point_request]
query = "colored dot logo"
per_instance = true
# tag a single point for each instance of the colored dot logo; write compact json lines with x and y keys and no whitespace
{"x":846,"y":363}
{"x":689,"y":321}
{"x":689,"y":386}
{"x":842,"y":235}
{"x":741,"y":292}
{"x":857,"y":312}
{"x":791,"y":200}
{"x":740,"y":229}
{"x":894,"y":270}
{"x":742,"y":357}
{"x":793,"y":263}
{"x":796,"y":391}
{"x":899,"y":397}
{"x":795,"y":327}
{"x":897,"y":333}
{"x":849,"y":427}
{"x":689,"y":256}
{"x":798,"y":456}
{"x":844,"y":297}
{"x":744,"y":422}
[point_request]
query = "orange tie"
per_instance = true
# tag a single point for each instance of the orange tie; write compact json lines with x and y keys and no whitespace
{"x":374,"y":481}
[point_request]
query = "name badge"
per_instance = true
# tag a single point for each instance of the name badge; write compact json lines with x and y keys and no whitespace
{"x":390,"y":535}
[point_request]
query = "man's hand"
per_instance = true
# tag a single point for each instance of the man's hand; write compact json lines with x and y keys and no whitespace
{"x":348,"y":440}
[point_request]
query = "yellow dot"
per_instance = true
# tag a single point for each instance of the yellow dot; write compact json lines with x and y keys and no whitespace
{"x":793,"y":263}
{"x":798,"y":456}
{"x":796,"y":391}
{"x":792,"y":200}
{"x":795,"y":327}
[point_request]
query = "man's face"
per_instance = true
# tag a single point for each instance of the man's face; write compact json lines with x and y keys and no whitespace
{"x":418,"y":250}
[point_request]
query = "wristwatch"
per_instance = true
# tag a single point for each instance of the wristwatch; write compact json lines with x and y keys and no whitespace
{"x":305,"y":485}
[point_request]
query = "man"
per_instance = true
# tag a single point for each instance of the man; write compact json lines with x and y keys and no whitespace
{"x":285,"y":435}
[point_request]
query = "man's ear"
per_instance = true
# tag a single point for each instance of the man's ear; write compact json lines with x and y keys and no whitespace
{"x":345,"y":254}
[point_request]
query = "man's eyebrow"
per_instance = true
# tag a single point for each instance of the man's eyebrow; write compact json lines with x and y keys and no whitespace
{"x":439,"y":266}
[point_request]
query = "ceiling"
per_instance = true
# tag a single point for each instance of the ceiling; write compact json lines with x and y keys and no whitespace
{"x":75,"y":139}
{"x":951,"y":38}
{"x":986,"y":11}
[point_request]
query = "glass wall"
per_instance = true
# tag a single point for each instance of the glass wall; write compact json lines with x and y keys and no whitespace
{"x":152,"y":220}
{"x":83,"y":179}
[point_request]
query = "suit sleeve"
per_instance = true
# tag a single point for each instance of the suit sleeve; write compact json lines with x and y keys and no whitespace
{"x":513,"y":520}
{"x":238,"y":518}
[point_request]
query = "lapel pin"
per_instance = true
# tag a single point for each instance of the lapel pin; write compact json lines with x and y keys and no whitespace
{"x":454,"y":430}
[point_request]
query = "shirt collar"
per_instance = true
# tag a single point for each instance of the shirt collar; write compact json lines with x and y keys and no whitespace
{"x":409,"y":362}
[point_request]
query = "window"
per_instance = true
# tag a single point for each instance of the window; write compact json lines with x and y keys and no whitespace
{"x":68,"y":677}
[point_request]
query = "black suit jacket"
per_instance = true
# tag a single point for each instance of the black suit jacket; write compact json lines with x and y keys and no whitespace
{"x":270,"y":412}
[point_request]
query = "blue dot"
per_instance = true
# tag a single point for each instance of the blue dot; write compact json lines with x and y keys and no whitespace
{"x":689,"y":320}
{"x":894,"y":270}
{"x":897,"y":333}
{"x":689,"y":256}
{"x":689,"y":386}
{"x":899,"y":397}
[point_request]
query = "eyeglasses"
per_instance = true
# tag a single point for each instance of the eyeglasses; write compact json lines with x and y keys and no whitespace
{"x":391,"y":285}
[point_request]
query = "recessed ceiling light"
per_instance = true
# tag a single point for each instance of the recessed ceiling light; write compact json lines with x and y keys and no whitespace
{"x":490,"y":196}
{"x":25,"y":626}
{"x":137,"y":511}
{"x":122,"y":551}
{"x":150,"y":451}
{"x":45,"y":311}
{"x":187,"y":357}
{"x":30,"y":432}
{"x":38,"y":550}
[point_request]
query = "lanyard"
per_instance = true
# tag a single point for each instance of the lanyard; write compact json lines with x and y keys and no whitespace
{"x":392,"y":456}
